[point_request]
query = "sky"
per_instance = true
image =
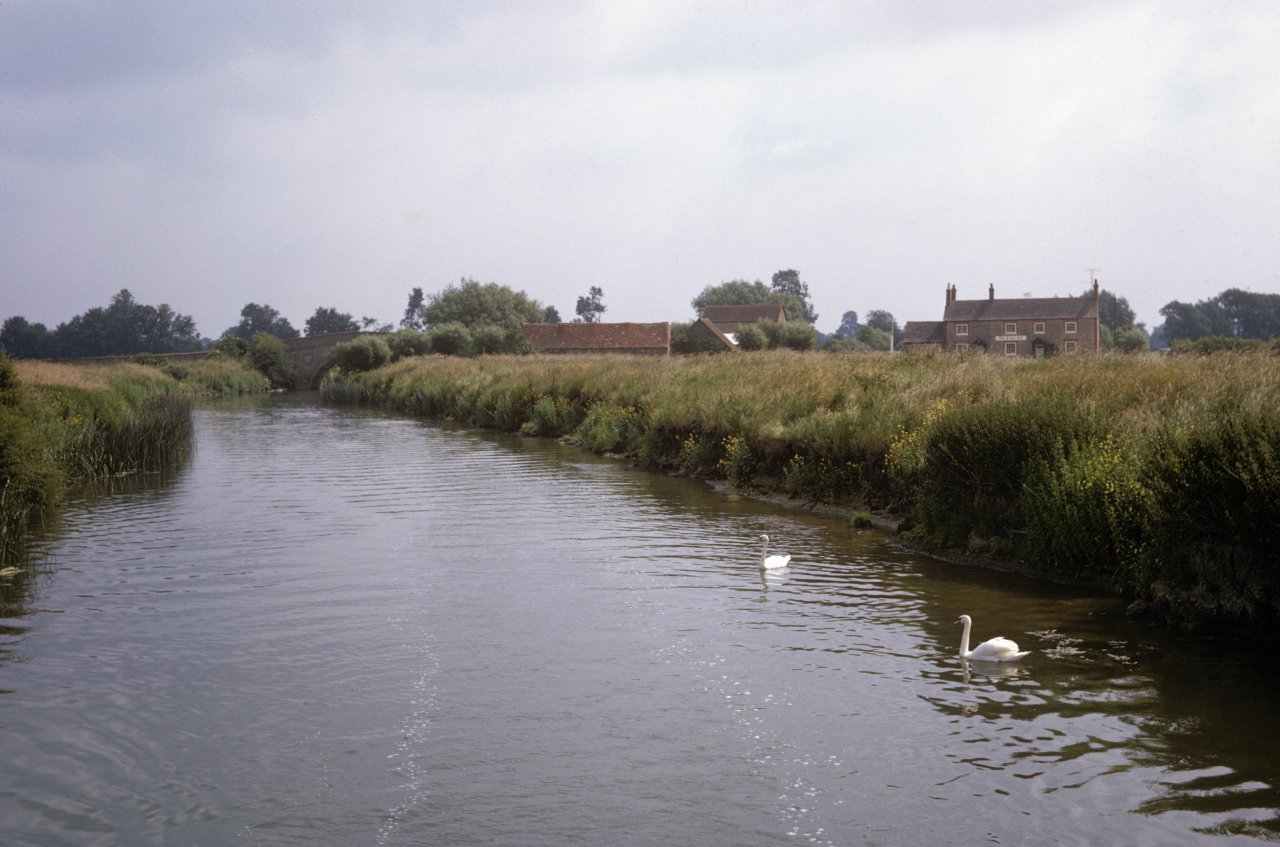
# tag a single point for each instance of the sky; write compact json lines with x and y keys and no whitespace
{"x":213,"y":153}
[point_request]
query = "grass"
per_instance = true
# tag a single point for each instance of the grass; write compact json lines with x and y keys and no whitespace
{"x":1157,"y":477}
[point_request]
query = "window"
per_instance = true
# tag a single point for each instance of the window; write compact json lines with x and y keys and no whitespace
{"x":1010,"y":329}
{"x":1011,"y":348}
{"x":1071,"y":327}
{"x":962,"y":348}
{"x":1038,"y":327}
{"x":962,"y":329}
{"x":1069,"y":346}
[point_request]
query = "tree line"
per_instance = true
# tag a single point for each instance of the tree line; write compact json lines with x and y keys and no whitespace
{"x":474,"y":317}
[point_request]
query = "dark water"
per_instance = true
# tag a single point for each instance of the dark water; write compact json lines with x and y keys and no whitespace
{"x":334,"y":628}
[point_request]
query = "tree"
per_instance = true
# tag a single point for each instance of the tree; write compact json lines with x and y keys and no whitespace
{"x":23,"y":340}
{"x":1191,"y":321}
{"x":472,"y":304}
{"x":590,"y":308}
{"x":1251,"y":315}
{"x":327,"y":320}
{"x":124,"y":327}
{"x":255,"y":319}
{"x":739,"y":292}
{"x":272,"y":360}
{"x":551,"y":316}
{"x":873,"y":336}
{"x":413,"y":312}
{"x":848,"y":325}
{"x":1114,"y":312}
{"x":883,"y":321}
{"x":788,"y":284}
{"x":451,"y":339}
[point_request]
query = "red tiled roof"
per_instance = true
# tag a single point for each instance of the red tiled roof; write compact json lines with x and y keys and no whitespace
{"x":924,"y":332}
{"x":744,"y":313}
{"x":1027,"y":308}
{"x":623,"y":337}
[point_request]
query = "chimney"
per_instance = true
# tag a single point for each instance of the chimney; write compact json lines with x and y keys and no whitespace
{"x":991,"y":292}
{"x":1095,"y":289}
{"x":951,"y":292}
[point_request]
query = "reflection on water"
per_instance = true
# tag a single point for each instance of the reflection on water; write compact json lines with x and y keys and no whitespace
{"x":330,"y":627}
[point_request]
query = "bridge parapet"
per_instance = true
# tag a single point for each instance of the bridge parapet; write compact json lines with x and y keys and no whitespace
{"x":310,"y":352}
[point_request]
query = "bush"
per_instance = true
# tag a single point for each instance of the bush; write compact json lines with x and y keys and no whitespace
{"x":553,"y":416}
{"x":407,"y":343}
{"x":272,"y":360}
{"x":610,"y":428}
{"x":451,"y":339}
{"x":233,"y":346}
{"x":366,"y":353}
{"x":488,"y":338}
{"x":751,"y":337}
{"x":797,"y":336}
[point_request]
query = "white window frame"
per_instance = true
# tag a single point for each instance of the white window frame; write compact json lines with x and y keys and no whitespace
{"x":962,"y":329}
{"x":1038,"y":328}
{"x":1069,"y":346}
{"x":1011,"y":348}
{"x":1071,"y":328}
{"x":1011,"y":329}
{"x":962,"y":347}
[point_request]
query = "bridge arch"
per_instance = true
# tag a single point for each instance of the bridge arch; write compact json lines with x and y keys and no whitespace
{"x":310,"y":352}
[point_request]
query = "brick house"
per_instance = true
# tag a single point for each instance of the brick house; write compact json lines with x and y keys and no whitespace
{"x":643,"y":339}
{"x":720,"y":324}
{"x":1026,"y":326}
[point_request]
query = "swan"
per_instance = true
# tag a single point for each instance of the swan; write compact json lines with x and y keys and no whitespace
{"x":993,"y":650}
{"x":771,"y":563}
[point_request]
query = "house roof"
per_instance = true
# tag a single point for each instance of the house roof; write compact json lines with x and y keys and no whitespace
{"x":729,"y":341}
{"x":1025,"y":309}
{"x":599,"y":336}
{"x":746,"y":313}
{"x":924,"y":332}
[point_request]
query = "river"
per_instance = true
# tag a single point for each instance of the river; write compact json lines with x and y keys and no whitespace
{"x":335,"y":627}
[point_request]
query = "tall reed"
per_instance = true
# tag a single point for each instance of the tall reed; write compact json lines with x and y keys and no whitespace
{"x":1154,"y":476}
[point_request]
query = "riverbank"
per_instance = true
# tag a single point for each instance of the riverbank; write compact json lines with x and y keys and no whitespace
{"x":1154,"y":477}
{"x":62,"y":423}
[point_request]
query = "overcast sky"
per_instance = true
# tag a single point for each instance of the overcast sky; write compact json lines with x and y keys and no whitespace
{"x":306,"y":154}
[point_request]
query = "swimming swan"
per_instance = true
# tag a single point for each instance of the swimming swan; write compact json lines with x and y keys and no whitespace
{"x":771,"y":563}
{"x":993,"y":650}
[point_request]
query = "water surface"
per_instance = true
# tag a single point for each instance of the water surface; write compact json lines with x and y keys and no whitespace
{"x":334,"y":627}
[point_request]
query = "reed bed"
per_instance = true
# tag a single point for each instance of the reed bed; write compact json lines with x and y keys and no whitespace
{"x":61,"y":423}
{"x":1158,"y":477}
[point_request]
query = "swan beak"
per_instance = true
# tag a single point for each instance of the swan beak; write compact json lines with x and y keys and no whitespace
{"x":957,"y":620}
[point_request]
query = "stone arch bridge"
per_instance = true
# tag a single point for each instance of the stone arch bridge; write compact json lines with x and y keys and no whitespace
{"x":309,"y":353}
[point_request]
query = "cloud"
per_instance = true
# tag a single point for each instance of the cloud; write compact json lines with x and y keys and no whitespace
{"x":303,"y":155}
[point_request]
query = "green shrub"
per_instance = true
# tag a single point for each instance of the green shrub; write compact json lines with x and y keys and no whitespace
{"x":553,"y":416}
{"x":451,"y":339}
{"x":407,"y":343}
{"x":365,"y":353}
{"x":609,"y":428}
{"x":271,"y":359}
{"x":488,"y":338}
{"x":796,"y":335}
{"x":232,"y":346}
{"x":751,"y":338}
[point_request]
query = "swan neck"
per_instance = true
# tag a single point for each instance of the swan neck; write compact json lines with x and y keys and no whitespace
{"x":964,"y":637}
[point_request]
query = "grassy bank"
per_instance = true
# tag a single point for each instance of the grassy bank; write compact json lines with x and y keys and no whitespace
{"x":1157,"y":477}
{"x":60,"y":423}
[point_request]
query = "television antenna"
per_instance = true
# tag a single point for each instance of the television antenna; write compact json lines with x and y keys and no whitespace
{"x":1093,"y":274}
